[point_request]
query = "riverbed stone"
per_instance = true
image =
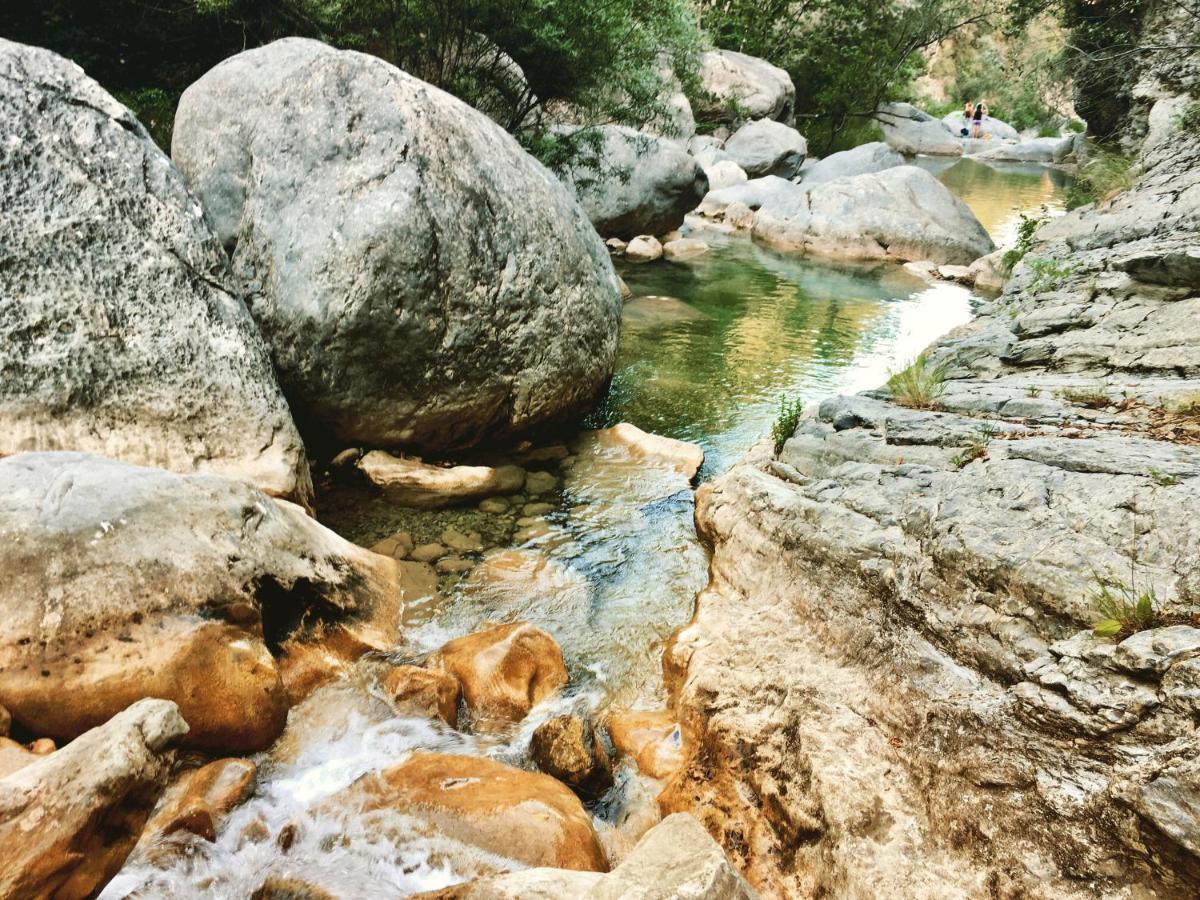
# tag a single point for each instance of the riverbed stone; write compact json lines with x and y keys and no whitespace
{"x":411,"y":482}
{"x":190,"y":585}
{"x":737,"y":84}
{"x":644,"y":248}
{"x":684,"y":249}
{"x":766,"y":147}
{"x":861,"y":160}
{"x":421,"y":281}
{"x":413,"y":690}
{"x":651,"y":738}
{"x":538,"y":483}
{"x":724,"y":173}
{"x":1042,"y":150}
{"x":684,"y":457}
{"x":566,"y":748}
{"x":196,"y":803}
{"x":989,"y":272}
{"x":123,"y":333}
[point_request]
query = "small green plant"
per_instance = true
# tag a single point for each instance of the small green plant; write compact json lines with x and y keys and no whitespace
{"x":1048,"y":131}
{"x":1103,"y":176}
{"x":785,"y":423}
{"x":1189,"y":406}
{"x":1033,"y":391}
{"x":1161,"y":478}
{"x":920,"y":384}
{"x":1075,"y":126}
{"x":977,"y":448}
{"x":1122,"y":609}
{"x":1025,"y":231}
{"x":1048,"y":274}
{"x":1093,"y":397}
{"x":1189,"y":119}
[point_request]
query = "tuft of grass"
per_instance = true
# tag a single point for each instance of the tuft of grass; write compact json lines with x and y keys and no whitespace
{"x":1162,"y":479}
{"x":920,"y":384}
{"x":975,"y":449}
{"x":1189,"y":119}
{"x":1189,"y":406}
{"x":1075,"y":126}
{"x":1102,"y":177}
{"x":1090,"y":397}
{"x":1124,"y":610}
{"x":1048,"y":274}
{"x":1033,"y":391}
{"x":1025,"y":231}
{"x":785,"y":423}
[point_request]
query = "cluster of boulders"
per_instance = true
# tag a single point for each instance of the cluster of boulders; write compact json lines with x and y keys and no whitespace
{"x":912,"y":131}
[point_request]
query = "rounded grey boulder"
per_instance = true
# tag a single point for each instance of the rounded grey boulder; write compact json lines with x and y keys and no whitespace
{"x":421,"y":280}
{"x":861,"y":160}
{"x":644,"y":185}
{"x":738,"y":87}
{"x":118,"y":332}
{"x":766,"y":147}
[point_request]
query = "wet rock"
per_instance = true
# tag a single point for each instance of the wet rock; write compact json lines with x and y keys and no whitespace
{"x":657,"y":312}
{"x":651,"y":739}
{"x":522,"y":815}
{"x":123,"y":334}
{"x":454,"y":565}
{"x":505,"y":670}
{"x":414,"y":691}
{"x":912,"y":131}
{"x":861,"y":160}
{"x":615,"y":246}
{"x":184,"y":584}
{"x":646,"y":185}
{"x":198,"y":801}
{"x":683,"y":249}
{"x":1043,"y":150}
{"x":566,"y":748}
{"x":685,"y":458}
{"x":279,"y":887}
{"x":463,"y":541}
{"x":398,"y":546}
{"x":537,"y":509}
{"x":69,"y":820}
{"x":732,"y":80}
{"x":643,"y":248}
{"x":427,"y":553}
{"x":358,"y":201}
{"x":493,"y":506}
{"x":346,"y":458}
{"x":538,"y":483}
{"x":960,"y":274}
{"x":764,"y":147}
{"x":411,"y":482}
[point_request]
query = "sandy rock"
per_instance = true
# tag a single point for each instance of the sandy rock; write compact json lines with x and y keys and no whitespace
{"x":730,"y":79}
{"x":346,"y":458}
{"x":163,"y":586}
{"x":658,"y":312}
{"x":427,"y":553}
{"x":413,"y":690}
{"x":505,"y":670}
{"x":14,"y":756}
{"x":643,"y":248}
{"x":525,"y":816}
{"x":411,"y":482}
{"x":961,"y":274}
{"x":646,"y":184}
{"x":655,"y":449}
{"x":684,"y":249}
{"x":123,"y":334}
{"x":988,"y":273}
{"x":626,"y":292}
{"x":454,"y":565}
{"x":398,"y":546}
{"x":69,"y":820}
{"x":462,"y":541}
{"x":765,"y":147}
{"x":861,"y":160}
{"x":5,"y":721}
{"x":912,"y":131}
{"x":538,"y":483}
{"x":724,"y":173}
{"x":651,"y":739}
{"x":422,"y":281}
{"x":566,"y":748}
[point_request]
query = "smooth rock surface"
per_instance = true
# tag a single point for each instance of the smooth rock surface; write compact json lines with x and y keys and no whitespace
{"x":421,"y":281}
{"x":412,"y":690}
{"x":684,"y":249}
{"x":912,"y":131}
{"x":738,"y":85}
{"x":121,"y":332}
{"x":644,"y":248}
{"x":861,"y":160}
{"x":653,"y":448}
{"x":411,"y":482}
{"x":724,"y":173}
{"x":1043,"y":150}
{"x":766,"y":147}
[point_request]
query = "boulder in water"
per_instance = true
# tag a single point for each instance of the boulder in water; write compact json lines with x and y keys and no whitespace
{"x":861,"y":160}
{"x":682,"y":456}
{"x":121,"y":582}
{"x":413,"y":690}
{"x":988,"y":273}
{"x":411,"y":482}
{"x":422,"y":281}
{"x":566,"y":748}
{"x":683,"y":249}
{"x":737,"y":87}
{"x":652,"y":739}
{"x":724,"y":173}
{"x":1041,"y":150}
{"x":913,"y":131}
{"x":121,"y":334}
{"x":643,"y":248}
{"x":765,"y":147}
{"x":197,"y":802}
{"x":505,"y":670}
{"x":69,"y":820}
{"x":644,"y":184}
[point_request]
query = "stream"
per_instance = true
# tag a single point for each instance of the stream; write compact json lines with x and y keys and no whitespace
{"x":605,"y":559}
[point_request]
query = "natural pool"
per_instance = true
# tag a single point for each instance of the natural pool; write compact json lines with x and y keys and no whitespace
{"x":606,"y":559}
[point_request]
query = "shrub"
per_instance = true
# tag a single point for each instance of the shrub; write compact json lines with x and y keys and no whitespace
{"x":1189,"y":119}
{"x":1048,"y":131}
{"x":1026,"y":228}
{"x":1048,"y":274}
{"x":1123,"y":610}
{"x":920,"y":384}
{"x":785,"y":423}
{"x":1162,"y":479}
{"x":1075,"y":126}
{"x":1102,"y":177}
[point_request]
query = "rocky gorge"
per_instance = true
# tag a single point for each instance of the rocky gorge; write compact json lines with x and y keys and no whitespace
{"x":335,"y":563}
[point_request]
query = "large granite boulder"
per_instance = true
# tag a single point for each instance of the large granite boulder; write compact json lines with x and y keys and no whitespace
{"x":738,"y":87}
{"x":119,"y":582}
{"x":119,"y":333}
{"x":68,"y":820}
{"x":989,"y":126}
{"x":902,"y":213}
{"x":913,"y":131}
{"x":421,"y":280}
{"x":1042,"y":150}
{"x":643,"y":184}
{"x":766,"y":147}
{"x":861,"y":160}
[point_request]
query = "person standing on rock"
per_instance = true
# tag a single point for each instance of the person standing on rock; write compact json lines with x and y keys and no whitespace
{"x":981,"y":112}
{"x":968,"y":112}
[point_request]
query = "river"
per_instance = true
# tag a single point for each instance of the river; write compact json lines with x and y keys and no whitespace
{"x":606,"y":560}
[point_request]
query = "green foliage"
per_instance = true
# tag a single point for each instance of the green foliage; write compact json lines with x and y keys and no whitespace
{"x":975,"y":449}
{"x":1048,"y":131}
{"x":920,"y":384}
{"x":1189,"y":119}
{"x":1122,"y":609}
{"x":785,"y":423}
{"x":1106,"y":174}
{"x":1033,"y":391}
{"x":1076,"y":127}
{"x":1048,"y":274}
{"x":1162,"y":479}
{"x":155,"y":109}
{"x":1026,"y":228}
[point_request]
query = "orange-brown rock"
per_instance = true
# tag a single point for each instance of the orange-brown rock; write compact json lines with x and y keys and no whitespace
{"x":42,"y":747}
{"x":279,"y":887}
{"x":655,"y":449}
{"x":651,"y":739}
{"x":566,"y":748}
{"x":411,"y":482}
{"x":505,"y":670}
{"x":13,"y":756}
{"x":413,"y":690}
{"x":525,"y":816}
{"x":199,"y":799}
{"x":68,"y":820}
{"x":5,"y":721}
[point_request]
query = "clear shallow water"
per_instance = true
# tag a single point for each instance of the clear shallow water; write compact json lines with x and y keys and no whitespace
{"x":610,"y":569}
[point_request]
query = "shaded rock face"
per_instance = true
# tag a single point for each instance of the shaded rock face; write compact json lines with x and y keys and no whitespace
{"x":119,"y":333}
{"x":912,"y":131}
{"x":1042,"y":150}
{"x":891,"y":685}
{"x":862,"y":160}
{"x":524,"y":816}
{"x":645,"y":185}
{"x":566,"y":748}
{"x":421,"y":281}
{"x":765,"y":147}
{"x":122,"y":582}
{"x":68,"y":820}
{"x":741,"y":86}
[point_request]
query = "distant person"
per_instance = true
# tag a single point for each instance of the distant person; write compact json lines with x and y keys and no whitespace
{"x":968,"y":112}
{"x":980,"y":114}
